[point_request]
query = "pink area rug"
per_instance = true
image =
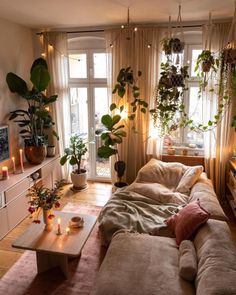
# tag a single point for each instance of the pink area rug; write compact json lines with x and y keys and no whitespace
{"x":22,"y":278}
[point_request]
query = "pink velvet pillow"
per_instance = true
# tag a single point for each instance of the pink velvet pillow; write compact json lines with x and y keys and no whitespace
{"x":187,"y":221}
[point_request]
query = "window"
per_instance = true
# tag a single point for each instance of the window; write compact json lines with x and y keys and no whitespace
{"x":88,"y":103}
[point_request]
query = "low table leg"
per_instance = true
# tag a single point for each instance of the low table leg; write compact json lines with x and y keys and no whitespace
{"x":46,"y":261}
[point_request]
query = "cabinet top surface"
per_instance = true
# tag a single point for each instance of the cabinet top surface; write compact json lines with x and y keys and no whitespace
{"x":37,"y":239}
{"x":28,"y":170}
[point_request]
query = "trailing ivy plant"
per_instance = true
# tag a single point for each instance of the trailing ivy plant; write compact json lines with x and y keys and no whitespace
{"x":169,"y":97}
{"x":113,"y":132}
{"x":206,"y":62}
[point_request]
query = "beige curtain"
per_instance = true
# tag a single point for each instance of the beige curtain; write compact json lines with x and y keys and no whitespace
{"x":55,"y":48}
{"x":218,"y":142}
{"x":130,"y":48}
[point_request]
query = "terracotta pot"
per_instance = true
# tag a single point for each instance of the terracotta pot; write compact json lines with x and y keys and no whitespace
{"x":171,"y":151}
{"x":35,"y":154}
{"x":206,"y":66}
{"x":47,"y":221}
{"x":79,"y":180}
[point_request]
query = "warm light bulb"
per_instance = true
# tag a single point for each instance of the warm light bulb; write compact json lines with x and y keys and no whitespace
{"x":149,"y":46}
{"x":59,"y":220}
{"x":43,"y":54}
{"x":135,"y":29}
{"x":111,"y":45}
{"x":122,"y":26}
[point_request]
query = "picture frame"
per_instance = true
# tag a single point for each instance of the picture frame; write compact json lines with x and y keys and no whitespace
{"x":4,"y":143}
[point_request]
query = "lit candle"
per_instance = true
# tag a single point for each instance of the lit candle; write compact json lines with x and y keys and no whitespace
{"x":5,"y":172}
{"x":14,"y":164}
{"x":59,"y":226}
{"x":67,"y":230}
{"x":21,"y":161}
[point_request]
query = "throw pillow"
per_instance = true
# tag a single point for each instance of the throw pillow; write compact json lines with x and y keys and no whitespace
{"x":187,"y":260}
{"x":189,"y":178}
{"x":187,"y":221}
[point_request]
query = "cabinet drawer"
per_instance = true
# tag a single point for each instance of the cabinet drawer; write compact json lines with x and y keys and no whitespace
{"x":17,"y":210}
{"x":4,"y":228}
{"x":17,"y":190}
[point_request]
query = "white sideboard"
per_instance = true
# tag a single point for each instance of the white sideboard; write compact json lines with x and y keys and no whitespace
{"x":13,"y":191}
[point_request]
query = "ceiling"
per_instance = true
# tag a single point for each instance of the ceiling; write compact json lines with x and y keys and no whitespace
{"x":91,"y":13}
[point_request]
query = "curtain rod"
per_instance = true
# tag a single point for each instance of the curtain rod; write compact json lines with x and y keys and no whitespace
{"x":102,"y":30}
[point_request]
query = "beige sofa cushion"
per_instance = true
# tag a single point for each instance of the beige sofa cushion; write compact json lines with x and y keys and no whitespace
{"x":216,"y":260}
{"x":203,"y":190}
{"x":140,"y":264}
{"x":168,"y":174}
{"x":189,"y":178}
{"x":187,"y":260}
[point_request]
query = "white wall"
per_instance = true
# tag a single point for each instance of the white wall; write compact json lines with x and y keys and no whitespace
{"x":16,"y":55}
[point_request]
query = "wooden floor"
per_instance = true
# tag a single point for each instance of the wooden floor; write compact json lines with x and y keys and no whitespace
{"x":96,"y":194}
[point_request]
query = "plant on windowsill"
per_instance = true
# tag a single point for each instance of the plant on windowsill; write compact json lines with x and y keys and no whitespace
{"x":45,"y":199}
{"x":34,"y":120}
{"x":114,"y":132}
{"x":74,"y":155}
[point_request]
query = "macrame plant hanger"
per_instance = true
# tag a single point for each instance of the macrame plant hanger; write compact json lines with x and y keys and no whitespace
{"x":231,"y":40}
{"x":209,"y":31}
{"x":178,"y":31}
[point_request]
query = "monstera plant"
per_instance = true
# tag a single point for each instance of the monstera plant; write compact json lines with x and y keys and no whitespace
{"x":34,"y":120}
{"x":113,"y":131}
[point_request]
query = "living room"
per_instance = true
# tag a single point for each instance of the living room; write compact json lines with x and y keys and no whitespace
{"x":118,"y":120}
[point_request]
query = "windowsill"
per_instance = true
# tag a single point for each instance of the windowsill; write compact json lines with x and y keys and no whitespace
{"x":193,"y":152}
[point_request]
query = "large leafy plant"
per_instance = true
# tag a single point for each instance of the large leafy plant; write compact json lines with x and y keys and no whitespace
{"x":74,"y":153}
{"x":113,"y":131}
{"x":34,"y":120}
{"x":169,"y":97}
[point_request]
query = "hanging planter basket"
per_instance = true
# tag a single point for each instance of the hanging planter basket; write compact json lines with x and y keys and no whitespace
{"x":176,"y":45}
{"x":176,"y":80}
{"x":229,"y":55}
{"x":206,"y":66}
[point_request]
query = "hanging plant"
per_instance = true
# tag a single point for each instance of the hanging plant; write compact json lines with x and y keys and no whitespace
{"x":169,"y":97}
{"x":206,"y":62}
{"x":172,"y":45}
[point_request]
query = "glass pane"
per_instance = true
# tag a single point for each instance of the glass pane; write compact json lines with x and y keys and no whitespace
{"x":78,"y":65}
{"x":99,"y":63}
{"x":101,"y":108}
{"x":195,"y":53}
{"x":196,"y":114}
{"x":79,"y":111}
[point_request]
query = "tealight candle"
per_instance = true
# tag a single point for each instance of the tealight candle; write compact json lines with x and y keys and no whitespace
{"x":14,"y":164}
{"x":59,"y":226}
{"x":67,"y":230}
{"x":21,"y":161}
{"x":5,"y":174}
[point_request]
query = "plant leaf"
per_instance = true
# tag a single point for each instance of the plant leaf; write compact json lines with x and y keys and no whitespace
{"x":40,"y":77}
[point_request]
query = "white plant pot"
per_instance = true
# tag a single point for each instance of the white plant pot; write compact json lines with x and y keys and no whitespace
{"x":51,"y":151}
{"x":79,"y":180}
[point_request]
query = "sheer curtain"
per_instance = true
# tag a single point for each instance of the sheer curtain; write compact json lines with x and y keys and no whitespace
{"x":130,"y":48}
{"x":218,"y":142}
{"x":55,"y":48}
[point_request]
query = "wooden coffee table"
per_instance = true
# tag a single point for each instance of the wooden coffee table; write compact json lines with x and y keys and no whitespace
{"x":52,"y":249}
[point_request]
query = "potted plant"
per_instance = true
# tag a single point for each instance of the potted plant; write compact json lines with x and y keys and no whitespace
{"x":172,"y":45}
{"x":36,"y":118}
{"x":114,"y":132}
{"x":74,"y":155}
{"x":169,"y":97}
{"x":207,"y":61}
{"x":43,"y":198}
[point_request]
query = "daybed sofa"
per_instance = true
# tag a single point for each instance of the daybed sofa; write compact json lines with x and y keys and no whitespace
{"x":143,"y":257}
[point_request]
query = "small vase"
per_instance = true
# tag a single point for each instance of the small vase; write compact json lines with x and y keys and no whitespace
{"x":47,"y":221}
